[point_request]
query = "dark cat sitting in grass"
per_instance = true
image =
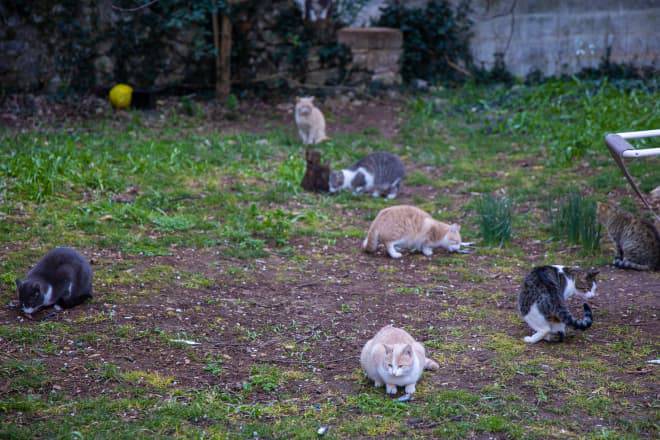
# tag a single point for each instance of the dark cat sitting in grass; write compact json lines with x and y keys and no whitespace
{"x":542,"y":300}
{"x":317,"y":174}
{"x":62,"y":278}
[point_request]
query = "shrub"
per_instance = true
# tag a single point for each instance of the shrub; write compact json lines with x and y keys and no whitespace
{"x":435,"y":39}
{"x":495,"y":215}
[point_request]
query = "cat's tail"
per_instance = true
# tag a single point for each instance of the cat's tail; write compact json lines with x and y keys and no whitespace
{"x":578,"y":324}
{"x":430,"y":364}
{"x":627,"y":264}
{"x":370,"y":244}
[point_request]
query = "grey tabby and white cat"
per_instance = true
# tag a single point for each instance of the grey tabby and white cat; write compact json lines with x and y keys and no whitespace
{"x":542,"y":300}
{"x":380,"y":173}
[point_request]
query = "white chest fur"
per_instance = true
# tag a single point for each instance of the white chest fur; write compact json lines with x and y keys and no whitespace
{"x":406,"y":379}
{"x":349,"y":175}
{"x":48,"y":297}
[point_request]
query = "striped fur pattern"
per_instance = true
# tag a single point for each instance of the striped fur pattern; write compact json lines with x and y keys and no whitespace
{"x":637,"y":241}
{"x":542,"y":300}
{"x":379,"y":173}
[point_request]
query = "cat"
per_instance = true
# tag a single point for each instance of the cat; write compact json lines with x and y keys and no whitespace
{"x":310,"y":121}
{"x":314,"y":9}
{"x":394,"y":358}
{"x":62,"y":278}
{"x":637,"y":241}
{"x":404,"y":226}
{"x":379,"y":173}
{"x":542,"y":300}
{"x":317,"y":174}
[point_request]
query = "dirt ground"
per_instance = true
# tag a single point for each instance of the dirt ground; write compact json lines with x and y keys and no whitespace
{"x":314,"y":312}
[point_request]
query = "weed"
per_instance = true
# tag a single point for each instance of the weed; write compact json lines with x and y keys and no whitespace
{"x":213,"y":366}
{"x":155,"y":379}
{"x":575,"y":220}
{"x":29,"y":375}
{"x":264,"y":377}
{"x":495,"y":217}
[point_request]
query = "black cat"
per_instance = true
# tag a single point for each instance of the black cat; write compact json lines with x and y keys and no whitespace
{"x":62,"y":278}
{"x":317,"y":174}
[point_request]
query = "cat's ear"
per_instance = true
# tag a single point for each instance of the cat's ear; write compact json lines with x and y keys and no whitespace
{"x":454,"y":227}
{"x":407,"y":350}
{"x":388,"y":349}
{"x":591,"y":274}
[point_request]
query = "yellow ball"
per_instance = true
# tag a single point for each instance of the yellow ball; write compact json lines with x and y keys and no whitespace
{"x":120,"y":96}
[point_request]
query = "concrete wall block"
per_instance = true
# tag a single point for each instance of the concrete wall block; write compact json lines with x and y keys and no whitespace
{"x":371,"y":38}
{"x":384,"y":58}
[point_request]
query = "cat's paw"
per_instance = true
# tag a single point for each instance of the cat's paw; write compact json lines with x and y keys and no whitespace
{"x":375,"y":194}
{"x":410,"y":389}
{"x":57,"y":307}
{"x":395,"y":254}
{"x":390,"y":389}
{"x":529,"y":339}
{"x":427,"y":251}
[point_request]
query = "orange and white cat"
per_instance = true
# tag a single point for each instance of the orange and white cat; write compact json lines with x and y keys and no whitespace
{"x":310,"y":121}
{"x":408,"y":227}
{"x":394,"y":358}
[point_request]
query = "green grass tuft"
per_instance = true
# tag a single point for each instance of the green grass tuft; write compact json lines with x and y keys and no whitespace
{"x":574,"y":219}
{"x":495,"y":217}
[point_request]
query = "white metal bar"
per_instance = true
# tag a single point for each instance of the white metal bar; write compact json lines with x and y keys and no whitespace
{"x":642,"y":153}
{"x":639,"y":134}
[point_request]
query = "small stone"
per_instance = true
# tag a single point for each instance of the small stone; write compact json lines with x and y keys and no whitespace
{"x":322,"y":430}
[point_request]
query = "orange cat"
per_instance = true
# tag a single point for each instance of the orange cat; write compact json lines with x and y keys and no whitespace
{"x":407,"y":227}
{"x":310,"y":121}
{"x":394,"y":358}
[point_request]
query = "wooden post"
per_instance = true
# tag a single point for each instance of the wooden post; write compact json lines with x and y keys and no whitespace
{"x":222,"y":43}
{"x":218,"y":59}
{"x":225,"y":54}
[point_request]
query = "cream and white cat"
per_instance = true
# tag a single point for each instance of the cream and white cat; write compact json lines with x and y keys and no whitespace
{"x":394,"y":358}
{"x":310,"y":121}
{"x":408,"y":227}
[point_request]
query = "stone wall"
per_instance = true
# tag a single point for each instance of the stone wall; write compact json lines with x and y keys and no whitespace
{"x":556,"y":36}
{"x":59,"y":45}
{"x":54,"y":46}
{"x":376,"y":53}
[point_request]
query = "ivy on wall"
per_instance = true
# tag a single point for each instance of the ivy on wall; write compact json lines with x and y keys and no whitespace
{"x":170,"y":42}
{"x":435,"y":38}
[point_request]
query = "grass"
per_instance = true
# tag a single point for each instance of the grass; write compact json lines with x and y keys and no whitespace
{"x":575,"y":220}
{"x":219,"y":218}
{"x":495,"y":218}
